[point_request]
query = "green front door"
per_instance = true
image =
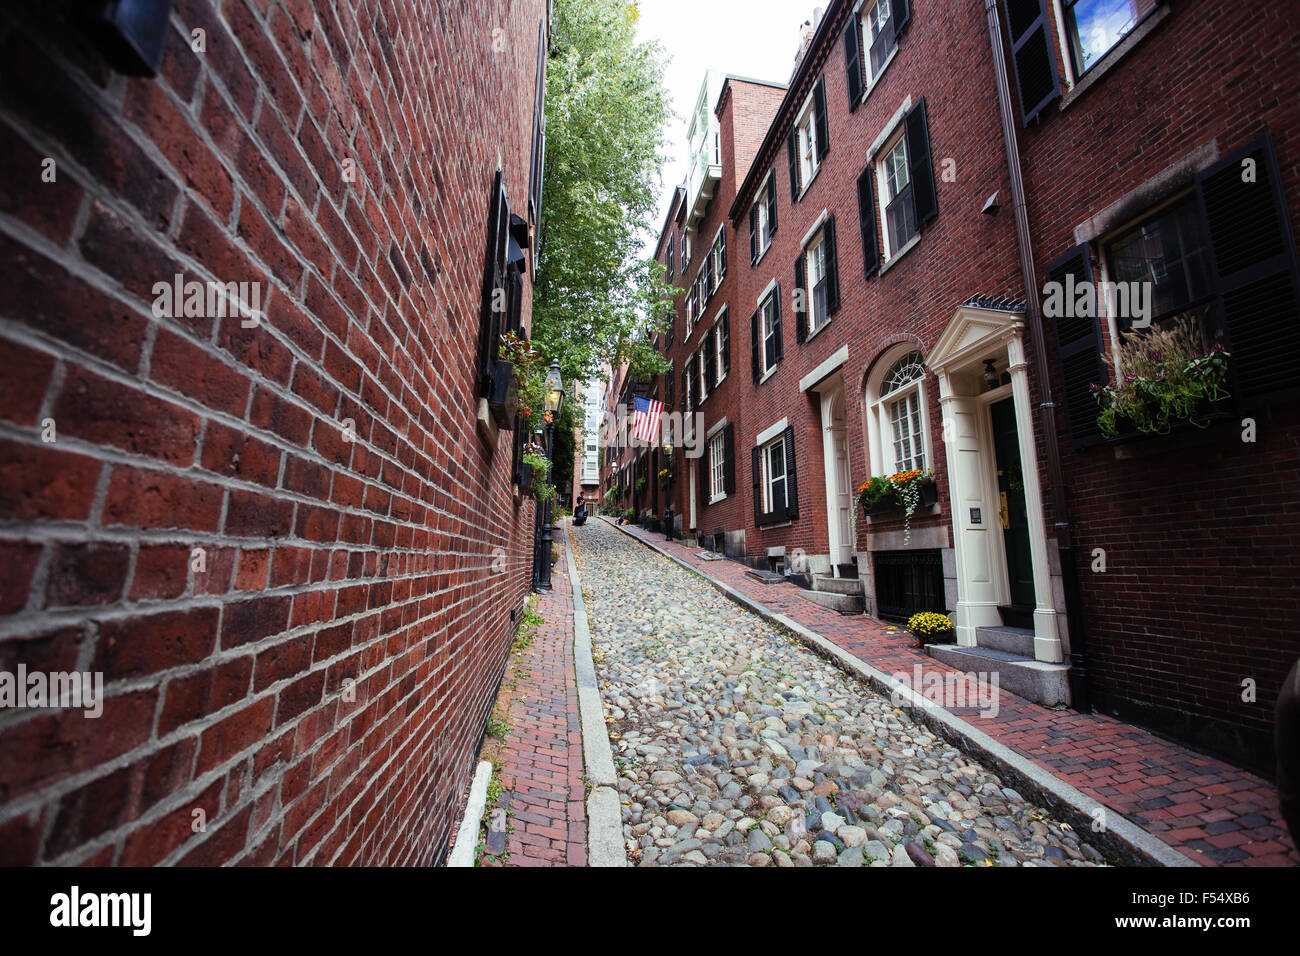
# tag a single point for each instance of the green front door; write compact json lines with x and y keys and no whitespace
{"x":1011,"y":503}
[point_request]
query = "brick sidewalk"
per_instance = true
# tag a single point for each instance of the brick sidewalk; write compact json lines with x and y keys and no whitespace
{"x":1213,"y":812}
{"x":543,"y":752}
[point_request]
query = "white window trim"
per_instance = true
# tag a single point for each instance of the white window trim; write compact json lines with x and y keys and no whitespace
{"x":719,"y":373}
{"x":816,"y":227}
{"x":771,"y":431}
{"x":768,"y":296}
{"x":765,"y":483}
{"x":767,"y":290}
{"x":888,"y":133}
{"x":883,"y":199}
{"x":806,"y":115}
{"x":717,"y":468}
{"x":808,"y":296}
{"x":880,"y":445}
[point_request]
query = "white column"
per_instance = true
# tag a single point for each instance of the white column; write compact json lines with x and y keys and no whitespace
{"x":977,"y":599}
{"x":1047,"y":639}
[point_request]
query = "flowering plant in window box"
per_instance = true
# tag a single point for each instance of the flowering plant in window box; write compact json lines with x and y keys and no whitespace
{"x":930,"y":627}
{"x":904,"y":491}
{"x":534,"y":469}
{"x":526,"y":394}
{"x":1170,"y":379}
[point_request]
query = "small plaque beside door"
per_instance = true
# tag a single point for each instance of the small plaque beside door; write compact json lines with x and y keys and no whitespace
{"x":976,"y":516}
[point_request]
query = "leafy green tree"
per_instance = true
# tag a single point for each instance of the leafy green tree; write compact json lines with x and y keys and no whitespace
{"x":598,"y":298}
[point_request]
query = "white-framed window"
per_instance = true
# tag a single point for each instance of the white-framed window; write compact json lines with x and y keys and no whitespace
{"x":1092,"y":28}
{"x":718,"y":259}
{"x":773,"y":481}
{"x":764,"y":231}
{"x":672,"y":259}
{"x":897,"y":417}
{"x":702,"y":359}
{"x":720,"y":345}
{"x":718,"y":466}
{"x":894,"y":187}
{"x":878,"y":37}
{"x":769,"y":333}
{"x":818,"y":284}
{"x":807,"y":145}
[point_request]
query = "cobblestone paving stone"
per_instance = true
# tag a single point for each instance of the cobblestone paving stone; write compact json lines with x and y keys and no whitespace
{"x":737,"y":745}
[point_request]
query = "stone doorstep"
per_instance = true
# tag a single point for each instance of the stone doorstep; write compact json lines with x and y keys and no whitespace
{"x":1040,"y":682}
{"x":844,"y":603}
{"x":831,"y":585}
{"x":1014,"y":640}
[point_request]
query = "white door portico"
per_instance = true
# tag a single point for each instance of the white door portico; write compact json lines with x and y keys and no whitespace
{"x":978,"y":341}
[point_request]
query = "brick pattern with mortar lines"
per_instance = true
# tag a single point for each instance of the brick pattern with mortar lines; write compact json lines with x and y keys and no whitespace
{"x":319,"y":686}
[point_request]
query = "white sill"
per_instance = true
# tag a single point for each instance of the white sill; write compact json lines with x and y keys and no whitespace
{"x":771,"y":527}
{"x":817,"y":331}
{"x":769,"y":373}
{"x":761,"y":255}
{"x":876,"y":80}
{"x":1114,"y":55}
{"x":907,"y":247}
{"x":803,"y":190}
{"x":715,"y":499}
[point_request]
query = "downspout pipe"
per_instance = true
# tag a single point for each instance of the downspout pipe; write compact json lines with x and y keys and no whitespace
{"x":1080,"y":698}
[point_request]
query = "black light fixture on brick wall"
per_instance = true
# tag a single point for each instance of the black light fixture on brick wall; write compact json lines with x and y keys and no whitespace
{"x":130,"y":34}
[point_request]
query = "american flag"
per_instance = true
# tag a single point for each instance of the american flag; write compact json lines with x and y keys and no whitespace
{"x":645,"y":418}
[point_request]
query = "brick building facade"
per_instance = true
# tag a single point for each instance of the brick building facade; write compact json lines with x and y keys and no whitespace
{"x":290,"y":544}
{"x":884,"y":181}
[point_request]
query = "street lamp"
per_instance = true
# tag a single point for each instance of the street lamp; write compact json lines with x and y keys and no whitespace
{"x":542,"y":556}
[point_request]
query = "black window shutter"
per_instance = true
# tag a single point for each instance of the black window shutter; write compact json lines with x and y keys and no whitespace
{"x":900,"y":13}
{"x":755,"y":361}
{"x":776,"y":323}
{"x":920,"y":165}
{"x":1078,"y":348}
{"x":867,"y":218}
{"x":493,"y":279}
{"x":722,"y":254}
{"x":771,"y":203}
{"x":832,"y":268}
{"x":729,"y":463}
{"x":792,"y":149}
{"x":1032,"y":56}
{"x":686,"y":387}
{"x":692,"y":385}
{"x":853,"y":60}
{"x":724,"y":329}
{"x":819,"y":117}
{"x":709,"y":356}
{"x":791,"y":482}
{"x":756,"y":469}
{"x":801,"y":293}
{"x":753,"y":233}
{"x":1253,"y":261}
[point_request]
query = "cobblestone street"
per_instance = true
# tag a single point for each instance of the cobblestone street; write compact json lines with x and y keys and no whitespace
{"x":736,"y":744}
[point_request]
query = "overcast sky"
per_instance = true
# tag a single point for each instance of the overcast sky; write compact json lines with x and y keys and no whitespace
{"x":754,"y":38}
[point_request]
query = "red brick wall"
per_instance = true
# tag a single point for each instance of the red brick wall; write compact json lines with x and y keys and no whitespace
{"x":1202,"y":540}
{"x":961,"y":253}
{"x":319,"y":688}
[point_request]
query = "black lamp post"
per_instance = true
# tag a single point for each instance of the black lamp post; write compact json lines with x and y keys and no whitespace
{"x":554,"y":402}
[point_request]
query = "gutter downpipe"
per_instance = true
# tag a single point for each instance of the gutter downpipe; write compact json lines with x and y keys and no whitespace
{"x":1080,"y":698}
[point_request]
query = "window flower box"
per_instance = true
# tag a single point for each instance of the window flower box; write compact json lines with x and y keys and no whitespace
{"x":889,"y":505}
